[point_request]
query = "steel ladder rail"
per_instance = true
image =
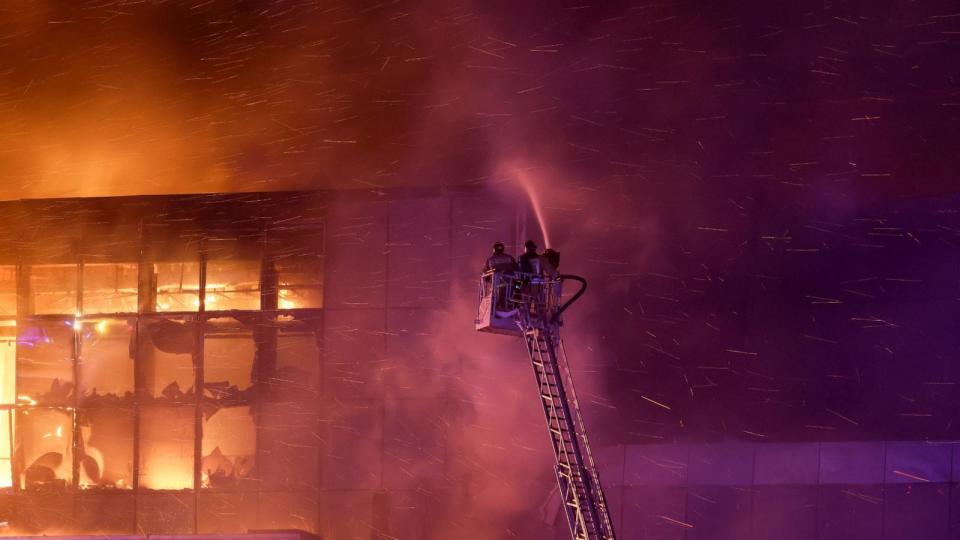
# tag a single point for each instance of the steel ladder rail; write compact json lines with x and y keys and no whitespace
{"x":583,"y":500}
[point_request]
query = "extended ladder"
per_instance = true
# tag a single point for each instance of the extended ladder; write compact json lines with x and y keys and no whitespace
{"x":583,"y":500}
{"x":530,"y":305}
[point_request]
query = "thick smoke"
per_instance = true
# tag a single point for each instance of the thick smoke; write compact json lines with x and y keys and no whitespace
{"x":709,"y":167}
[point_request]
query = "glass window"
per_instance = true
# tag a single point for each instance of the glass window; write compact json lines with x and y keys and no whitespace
{"x":110,"y":287}
{"x":297,"y":374}
{"x":105,"y":514}
{"x":166,"y":447}
{"x":45,"y":362}
{"x":8,"y":362}
{"x":293,"y":510}
{"x":232,"y":285}
{"x":229,"y":448}
{"x":6,"y":448}
{"x":106,"y":365}
{"x":45,"y":440}
{"x":177,"y":286}
{"x":300,"y":282}
{"x":289,"y":447}
{"x":53,"y":289}
{"x":166,"y":358}
{"x":228,"y":353}
{"x":166,"y":514}
{"x":8,"y":291}
{"x":226,"y":512}
{"x":105,"y":448}
{"x":42,"y":511}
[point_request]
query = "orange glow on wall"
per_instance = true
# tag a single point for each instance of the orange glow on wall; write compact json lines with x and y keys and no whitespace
{"x":6,"y":472}
{"x":166,"y":448}
{"x":8,"y":373}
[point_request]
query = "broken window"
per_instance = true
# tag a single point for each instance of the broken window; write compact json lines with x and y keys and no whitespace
{"x":297,"y":373}
{"x":53,"y":289}
{"x":165,"y":356}
{"x":228,"y":360}
{"x":45,"y":362}
{"x":175,"y":287}
{"x":105,"y":361}
{"x":110,"y":287}
{"x":300,"y":282}
{"x":232,"y":285}
{"x":119,"y":380}
{"x":229,"y":447}
{"x":44,"y":446}
{"x":166,"y":447}
{"x":6,"y":448}
{"x":105,"y":448}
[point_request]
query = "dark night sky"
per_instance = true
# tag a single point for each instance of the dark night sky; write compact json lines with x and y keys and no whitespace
{"x":754,"y":184}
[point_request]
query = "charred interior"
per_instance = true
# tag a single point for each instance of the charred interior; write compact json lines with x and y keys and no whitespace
{"x":159,"y":361}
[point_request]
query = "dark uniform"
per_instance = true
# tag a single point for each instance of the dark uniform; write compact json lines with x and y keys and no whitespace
{"x":501,"y":262}
{"x":530,"y":260}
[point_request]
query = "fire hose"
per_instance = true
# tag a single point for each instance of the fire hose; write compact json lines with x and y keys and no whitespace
{"x":568,"y":303}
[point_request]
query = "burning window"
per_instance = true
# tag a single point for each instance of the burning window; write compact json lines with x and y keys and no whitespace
{"x":6,"y":448}
{"x":232,"y":285}
{"x":166,"y":447}
{"x":8,"y":362}
{"x":176,"y":287}
{"x":45,"y":362}
{"x":45,"y":448}
{"x":300,"y":282}
{"x":165,"y":356}
{"x":106,"y":361}
{"x":53,"y":289}
{"x":228,"y":355}
{"x":229,"y":448}
{"x":110,"y":287}
{"x":112,"y":377}
{"x":105,"y":448}
{"x":8,"y":291}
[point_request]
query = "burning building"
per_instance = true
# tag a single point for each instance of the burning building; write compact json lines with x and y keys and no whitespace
{"x":761,"y":195}
{"x":234,"y":362}
{"x":160,"y":364}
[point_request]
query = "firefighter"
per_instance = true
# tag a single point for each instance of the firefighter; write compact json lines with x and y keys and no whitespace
{"x":500,"y":261}
{"x":549,"y":262}
{"x":530,"y":260}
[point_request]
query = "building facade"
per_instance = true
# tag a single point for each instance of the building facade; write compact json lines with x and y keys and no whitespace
{"x":224,"y":363}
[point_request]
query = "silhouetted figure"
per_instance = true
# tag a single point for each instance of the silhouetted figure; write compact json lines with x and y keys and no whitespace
{"x":530,"y":260}
{"x":549,"y":262}
{"x":500,"y":260}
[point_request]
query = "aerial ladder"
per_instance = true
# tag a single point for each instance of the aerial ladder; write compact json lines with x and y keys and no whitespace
{"x":530,"y":305}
